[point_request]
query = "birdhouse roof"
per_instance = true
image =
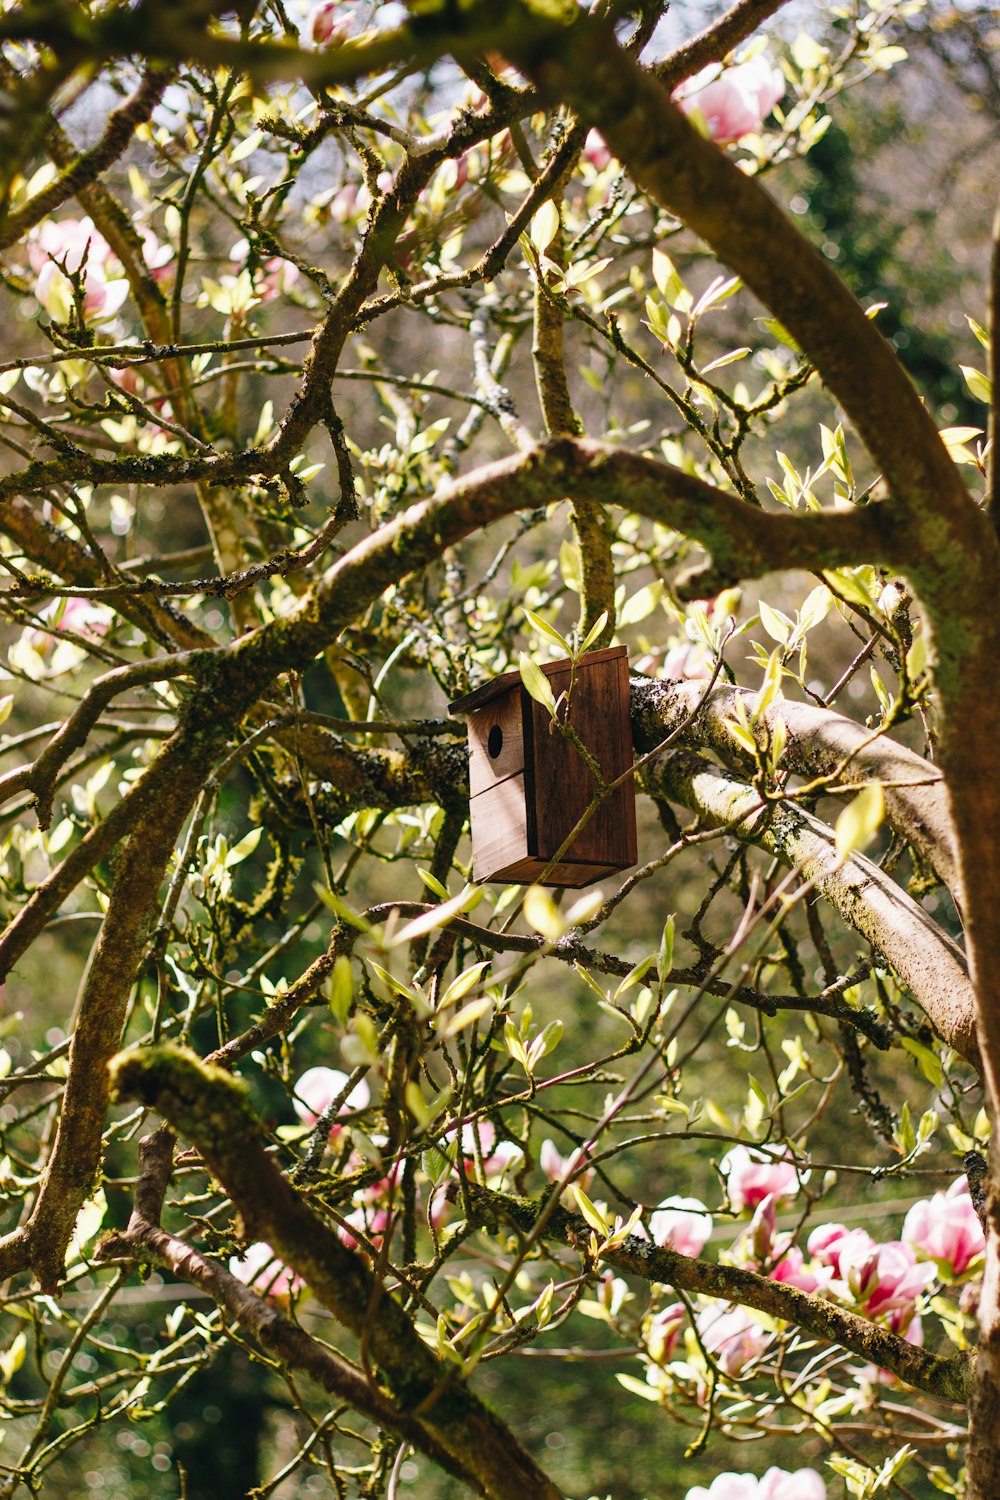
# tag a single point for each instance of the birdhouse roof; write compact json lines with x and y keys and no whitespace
{"x":498,"y":685}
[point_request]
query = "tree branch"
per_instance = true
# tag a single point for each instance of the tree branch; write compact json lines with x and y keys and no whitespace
{"x":820,"y":743}
{"x":145,"y":1241}
{"x":931,"y":966}
{"x":948,"y":1379}
{"x":211,"y":1110}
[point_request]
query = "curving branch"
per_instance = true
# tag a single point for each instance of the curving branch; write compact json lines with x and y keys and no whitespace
{"x":692,"y":178}
{"x":233,"y":679}
{"x":820,"y":743}
{"x":121,"y":126}
{"x":932,"y":967}
{"x":146,"y":1242}
{"x":211,"y":1110}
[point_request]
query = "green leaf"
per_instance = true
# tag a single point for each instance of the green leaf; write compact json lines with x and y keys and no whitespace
{"x":466,"y":1016}
{"x":780,"y":332}
{"x":815,"y":608}
{"x":571,"y":566}
{"x":340,"y":909}
{"x":641,"y":604}
{"x":397,"y":987}
{"x":544,"y":628}
{"x":536,"y":683}
{"x":246,"y":148}
{"x":770,"y":688}
{"x":979,"y":384}
{"x":433,"y":884}
{"x":665,"y":957}
{"x":930,"y":1063}
{"x":669,"y":283}
{"x":545,"y":1042}
{"x":341,"y":988}
{"x":979,"y":331}
{"x":916,"y":657}
{"x":593,"y":633}
{"x":726,"y":359}
{"x":544,"y":226}
{"x":637,"y":1387}
{"x":848,"y":585}
{"x":430,"y":921}
{"x":462,"y":984}
{"x":590,"y":1212}
{"x":12,"y":1359}
{"x":540,"y":913}
{"x":244,"y":848}
{"x":860,"y":820}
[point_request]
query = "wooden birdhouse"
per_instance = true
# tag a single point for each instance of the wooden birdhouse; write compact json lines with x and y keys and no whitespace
{"x":529,"y":785}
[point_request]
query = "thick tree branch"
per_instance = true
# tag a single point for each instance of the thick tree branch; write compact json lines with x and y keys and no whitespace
{"x":931,"y":966}
{"x":820,"y":743}
{"x":206,"y":1106}
{"x":145,"y":1241}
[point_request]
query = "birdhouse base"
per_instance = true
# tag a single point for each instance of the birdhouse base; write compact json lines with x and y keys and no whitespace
{"x":529,"y":872}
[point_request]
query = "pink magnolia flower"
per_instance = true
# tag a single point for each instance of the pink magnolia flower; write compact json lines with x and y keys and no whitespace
{"x":260,"y":1269}
{"x":727,"y":1487}
{"x":156,"y":256}
{"x":497,"y":1156}
{"x":883,"y":1278}
{"x":70,"y":241}
{"x":664,"y":1331}
{"x":330,"y":23}
{"x":681,"y":1224}
{"x":803,"y":1484}
{"x":750,"y":1177}
{"x":735,"y":101}
{"x":101,"y":297}
{"x":687,"y":661}
{"x":372,"y":1223}
{"x":71,"y":245}
{"x":946,"y":1228}
{"x":791,"y":1269}
{"x":732,"y":1338}
{"x":317,"y":1089}
{"x":776,"y":1484}
{"x":275,"y":276}
{"x":825,"y":1241}
{"x":556,"y":1166}
{"x":80,"y":616}
{"x":597,"y":151}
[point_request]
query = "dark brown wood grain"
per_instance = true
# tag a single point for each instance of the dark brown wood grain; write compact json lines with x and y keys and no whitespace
{"x":530,"y":785}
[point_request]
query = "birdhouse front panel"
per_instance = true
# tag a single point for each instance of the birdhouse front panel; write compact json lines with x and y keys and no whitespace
{"x":529,"y":785}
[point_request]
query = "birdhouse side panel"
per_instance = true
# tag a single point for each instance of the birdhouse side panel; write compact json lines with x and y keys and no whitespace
{"x":561,"y":784}
{"x":496,"y":741}
{"x":499,"y":824}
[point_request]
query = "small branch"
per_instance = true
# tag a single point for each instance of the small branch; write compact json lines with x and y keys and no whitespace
{"x":118,"y":132}
{"x":947,"y":1379}
{"x":715,"y":42}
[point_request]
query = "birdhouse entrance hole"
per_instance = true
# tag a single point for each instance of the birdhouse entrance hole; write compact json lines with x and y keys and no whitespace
{"x":529,"y":785}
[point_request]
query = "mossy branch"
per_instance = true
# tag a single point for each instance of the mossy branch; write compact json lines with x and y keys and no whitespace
{"x":948,"y":1379}
{"x":211,"y":1109}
